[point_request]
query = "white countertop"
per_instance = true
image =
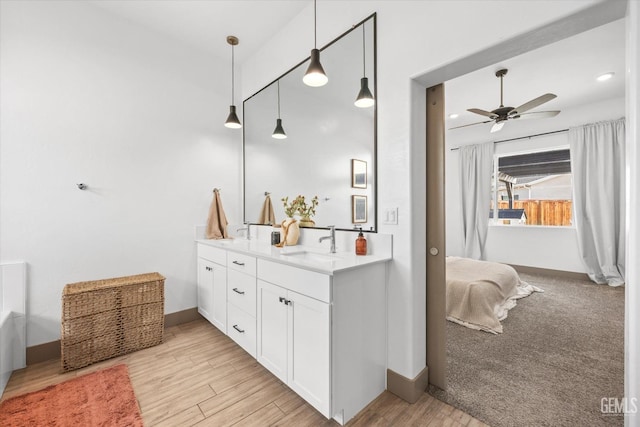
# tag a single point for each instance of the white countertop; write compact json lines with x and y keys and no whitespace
{"x":309,"y":258}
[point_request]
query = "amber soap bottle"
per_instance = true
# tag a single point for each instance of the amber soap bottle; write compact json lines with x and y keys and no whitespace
{"x":361,"y":244}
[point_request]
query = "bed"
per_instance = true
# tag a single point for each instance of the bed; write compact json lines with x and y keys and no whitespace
{"x":481,"y":293}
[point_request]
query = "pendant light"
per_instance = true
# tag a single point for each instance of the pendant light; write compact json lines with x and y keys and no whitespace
{"x":232,"y":120}
{"x":315,"y":75}
{"x":365,"y":98}
{"x":278,"y":132}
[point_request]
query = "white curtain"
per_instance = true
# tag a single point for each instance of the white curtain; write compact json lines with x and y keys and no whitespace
{"x":476,"y":167}
{"x":598,"y":167}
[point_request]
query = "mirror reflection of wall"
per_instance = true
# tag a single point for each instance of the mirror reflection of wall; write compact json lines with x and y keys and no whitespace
{"x":325,"y":132}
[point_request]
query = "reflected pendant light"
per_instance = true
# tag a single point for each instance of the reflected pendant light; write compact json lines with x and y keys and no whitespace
{"x":233,"y":121}
{"x":315,"y":75}
{"x":365,"y":98}
{"x":278,"y":132}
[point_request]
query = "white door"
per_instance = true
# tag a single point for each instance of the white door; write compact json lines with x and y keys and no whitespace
{"x":205,"y":288}
{"x":272,"y":329}
{"x":219,"y":290}
{"x":309,"y":350}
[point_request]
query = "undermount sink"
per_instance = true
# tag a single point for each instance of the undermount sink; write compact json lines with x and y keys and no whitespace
{"x":231,"y":241}
{"x":311,"y":256}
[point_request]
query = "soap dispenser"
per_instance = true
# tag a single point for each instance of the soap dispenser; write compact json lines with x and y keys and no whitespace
{"x":361,"y":244}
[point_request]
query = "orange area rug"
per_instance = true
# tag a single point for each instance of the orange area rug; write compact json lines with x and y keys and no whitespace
{"x":103,"y":398}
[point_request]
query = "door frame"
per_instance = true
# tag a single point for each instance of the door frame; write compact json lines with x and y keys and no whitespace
{"x":586,"y":19}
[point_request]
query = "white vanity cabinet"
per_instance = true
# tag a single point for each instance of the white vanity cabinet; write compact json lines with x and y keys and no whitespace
{"x":324,"y":335}
{"x":212,"y":285}
{"x":317,"y":323}
{"x":294,"y":342}
{"x":241,"y":298}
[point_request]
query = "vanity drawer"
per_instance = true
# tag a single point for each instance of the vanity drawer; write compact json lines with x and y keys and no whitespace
{"x":241,"y":262}
{"x":242,"y":328}
{"x":217,"y":255}
{"x":241,"y":291}
{"x":305,"y":282}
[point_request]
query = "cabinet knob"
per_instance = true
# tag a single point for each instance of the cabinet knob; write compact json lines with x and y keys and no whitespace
{"x":238,"y":329}
{"x":237,"y":291}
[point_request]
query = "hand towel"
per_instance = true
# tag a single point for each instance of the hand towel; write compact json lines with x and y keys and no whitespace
{"x":217,"y":220}
{"x":267,"y":216}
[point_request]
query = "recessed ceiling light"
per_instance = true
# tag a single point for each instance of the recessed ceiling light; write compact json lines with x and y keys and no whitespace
{"x":604,"y":77}
{"x":454,"y":115}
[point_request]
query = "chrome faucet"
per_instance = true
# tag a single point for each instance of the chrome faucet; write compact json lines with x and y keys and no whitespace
{"x":247,"y":229}
{"x":332,"y":236}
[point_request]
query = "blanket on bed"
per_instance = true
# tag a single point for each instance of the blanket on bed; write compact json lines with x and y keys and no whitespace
{"x":481,"y":293}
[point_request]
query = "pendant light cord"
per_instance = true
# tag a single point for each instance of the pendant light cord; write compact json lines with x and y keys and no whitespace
{"x":364,"y":60}
{"x":315,"y":26}
{"x":232,"y":75}
{"x":278,"y":98}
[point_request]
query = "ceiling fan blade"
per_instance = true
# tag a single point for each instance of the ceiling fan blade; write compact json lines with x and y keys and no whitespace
{"x":497,"y":126}
{"x":471,"y":124}
{"x":536,"y":115}
{"x":532,"y":104}
{"x":483,"y":112}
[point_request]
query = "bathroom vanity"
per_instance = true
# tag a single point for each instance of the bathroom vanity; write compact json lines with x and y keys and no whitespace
{"x":316,"y":320}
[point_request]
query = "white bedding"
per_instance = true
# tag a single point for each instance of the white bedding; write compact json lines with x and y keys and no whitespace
{"x":481,"y":293}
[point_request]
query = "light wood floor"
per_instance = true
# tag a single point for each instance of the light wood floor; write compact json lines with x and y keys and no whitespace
{"x":198,"y":376}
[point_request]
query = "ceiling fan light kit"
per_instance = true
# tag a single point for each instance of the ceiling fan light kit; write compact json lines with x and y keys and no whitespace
{"x":502,"y":114}
{"x":606,"y":76}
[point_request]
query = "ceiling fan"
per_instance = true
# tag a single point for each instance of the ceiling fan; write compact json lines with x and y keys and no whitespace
{"x":501,"y":114}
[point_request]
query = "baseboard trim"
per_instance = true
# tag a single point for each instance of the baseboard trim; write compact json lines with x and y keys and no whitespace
{"x":180,"y":317}
{"x":51,"y":350}
{"x":405,"y":388}
{"x":43,"y":352}
{"x":548,"y":272}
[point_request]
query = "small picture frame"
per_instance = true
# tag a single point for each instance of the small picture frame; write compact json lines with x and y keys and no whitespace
{"x":359,"y":209}
{"x":358,"y":173}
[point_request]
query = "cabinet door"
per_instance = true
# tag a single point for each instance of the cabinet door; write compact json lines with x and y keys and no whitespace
{"x":219,"y":306}
{"x":272,"y":329}
{"x":309,"y":350}
{"x":205,"y":289}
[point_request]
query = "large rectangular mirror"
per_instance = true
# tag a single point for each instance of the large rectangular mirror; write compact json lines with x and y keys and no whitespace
{"x":325,"y":133}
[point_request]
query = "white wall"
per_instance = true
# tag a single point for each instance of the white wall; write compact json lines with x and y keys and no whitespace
{"x":413,"y":37}
{"x":553,"y":248}
{"x":89,"y":97}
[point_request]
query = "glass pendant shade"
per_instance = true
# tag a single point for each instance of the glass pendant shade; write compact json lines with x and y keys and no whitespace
{"x":278,"y":132}
{"x":232,"y":120}
{"x":315,"y":75}
{"x":365,"y":98}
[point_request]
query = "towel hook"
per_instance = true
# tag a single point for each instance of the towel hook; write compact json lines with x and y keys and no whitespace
{"x":266,"y":193}
{"x":215,"y":190}
{"x":82,"y":186}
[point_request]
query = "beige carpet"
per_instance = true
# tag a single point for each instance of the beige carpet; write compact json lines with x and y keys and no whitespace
{"x":561,"y":352}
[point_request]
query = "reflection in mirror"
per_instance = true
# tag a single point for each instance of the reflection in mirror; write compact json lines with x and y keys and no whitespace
{"x":325,"y":133}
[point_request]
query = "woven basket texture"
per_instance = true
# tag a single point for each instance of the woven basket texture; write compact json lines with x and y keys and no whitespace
{"x":107,"y":318}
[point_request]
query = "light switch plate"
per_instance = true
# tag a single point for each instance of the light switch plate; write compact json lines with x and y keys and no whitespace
{"x":390,"y":216}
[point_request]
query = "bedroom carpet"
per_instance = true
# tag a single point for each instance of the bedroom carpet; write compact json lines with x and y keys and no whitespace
{"x":561,"y":352}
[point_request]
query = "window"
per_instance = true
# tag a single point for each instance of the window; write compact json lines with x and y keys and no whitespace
{"x":533,"y":188}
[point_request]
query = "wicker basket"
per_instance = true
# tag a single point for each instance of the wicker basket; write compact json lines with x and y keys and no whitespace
{"x":102,"y":319}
